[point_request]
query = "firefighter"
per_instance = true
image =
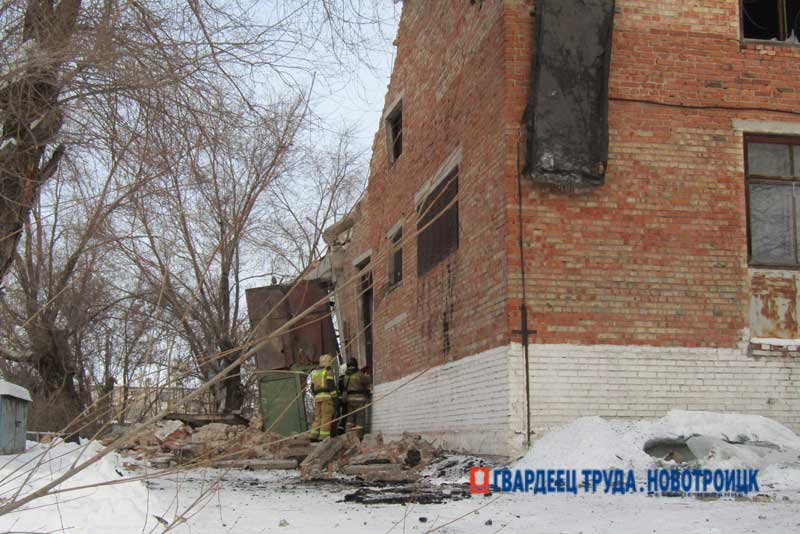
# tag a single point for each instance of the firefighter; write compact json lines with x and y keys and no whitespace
{"x":356,"y":390}
{"x":323,"y":386}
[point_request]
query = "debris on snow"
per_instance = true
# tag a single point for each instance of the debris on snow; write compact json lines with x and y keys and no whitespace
{"x":419,"y":494}
{"x":370,"y":460}
{"x":172,"y":442}
{"x":453,"y":468}
{"x":168,"y":429}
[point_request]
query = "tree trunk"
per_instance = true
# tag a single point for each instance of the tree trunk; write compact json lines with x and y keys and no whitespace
{"x":234,"y":391}
{"x":31,"y":116}
{"x":54,"y":362}
{"x":229,"y":393}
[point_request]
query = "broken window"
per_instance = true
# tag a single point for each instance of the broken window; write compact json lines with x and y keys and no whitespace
{"x":437,"y":224}
{"x":394,"y":132}
{"x":771,"y":20}
{"x":396,"y":258}
{"x":365,"y":289}
{"x":773,"y":195}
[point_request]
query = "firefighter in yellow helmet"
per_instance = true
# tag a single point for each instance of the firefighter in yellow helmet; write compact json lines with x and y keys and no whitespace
{"x":323,"y":386}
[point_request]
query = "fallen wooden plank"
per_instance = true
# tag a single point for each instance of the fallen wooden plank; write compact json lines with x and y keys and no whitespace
{"x":257,"y":465}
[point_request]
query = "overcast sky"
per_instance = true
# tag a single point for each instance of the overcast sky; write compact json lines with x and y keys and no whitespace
{"x":356,"y":98}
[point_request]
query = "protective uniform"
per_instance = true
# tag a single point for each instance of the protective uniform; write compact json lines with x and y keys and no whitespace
{"x":323,"y":386}
{"x":356,"y":386}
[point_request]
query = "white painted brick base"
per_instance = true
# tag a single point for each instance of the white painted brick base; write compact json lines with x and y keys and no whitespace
{"x":476,"y":404}
{"x":462,"y":405}
{"x":569,"y":381}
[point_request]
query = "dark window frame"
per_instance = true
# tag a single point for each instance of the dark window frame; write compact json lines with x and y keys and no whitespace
{"x":784,"y":29}
{"x":366,"y":306}
{"x":794,"y":181}
{"x":394,"y":132}
{"x":396,"y":258}
{"x":438,"y":237}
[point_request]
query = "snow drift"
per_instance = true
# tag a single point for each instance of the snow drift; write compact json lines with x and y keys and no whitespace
{"x":717,"y":440}
{"x":109,"y":508}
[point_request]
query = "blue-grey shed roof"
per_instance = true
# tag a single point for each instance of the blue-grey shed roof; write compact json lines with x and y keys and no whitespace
{"x":12,"y":390}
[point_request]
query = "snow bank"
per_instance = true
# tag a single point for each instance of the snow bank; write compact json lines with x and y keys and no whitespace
{"x":726,"y":440}
{"x":118,"y":508}
{"x":591,"y":443}
{"x":727,"y":426}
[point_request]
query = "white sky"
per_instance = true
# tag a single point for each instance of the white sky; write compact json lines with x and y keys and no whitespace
{"x":357,"y":98}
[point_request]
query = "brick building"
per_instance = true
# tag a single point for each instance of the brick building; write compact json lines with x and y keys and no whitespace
{"x":669,"y":282}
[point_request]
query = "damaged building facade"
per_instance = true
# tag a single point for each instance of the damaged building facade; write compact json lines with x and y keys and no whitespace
{"x":578,"y":208}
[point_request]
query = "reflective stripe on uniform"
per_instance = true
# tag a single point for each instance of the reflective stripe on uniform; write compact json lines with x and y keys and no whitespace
{"x":319,"y":379}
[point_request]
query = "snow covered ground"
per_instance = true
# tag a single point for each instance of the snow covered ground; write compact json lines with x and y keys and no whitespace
{"x":249,"y":503}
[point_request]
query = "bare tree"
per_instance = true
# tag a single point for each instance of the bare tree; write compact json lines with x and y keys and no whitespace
{"x":56,"y":315}
{"x":63,"y":60}
{"x":194,"y":222}
{"x":323,"y":184}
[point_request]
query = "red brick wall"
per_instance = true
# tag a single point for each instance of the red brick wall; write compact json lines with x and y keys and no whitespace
{"x":449,"y":68}
{"x":657,"y":256}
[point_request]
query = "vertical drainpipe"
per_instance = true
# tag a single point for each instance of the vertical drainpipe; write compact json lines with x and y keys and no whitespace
{"x":523,"y":308}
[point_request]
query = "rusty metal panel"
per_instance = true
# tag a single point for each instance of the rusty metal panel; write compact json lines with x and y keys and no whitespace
{"x":314,"y":335}
{"x":773,"y":304}
{"x":271,"y":307}
{"x":267,"y":313}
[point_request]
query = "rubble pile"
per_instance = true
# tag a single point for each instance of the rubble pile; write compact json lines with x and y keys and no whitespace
{"x":230,"y":446}
{"x":370,"y":460}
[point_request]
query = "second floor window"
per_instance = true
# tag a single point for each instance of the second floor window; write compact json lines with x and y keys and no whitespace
{"x":773,"y":200}
{"x":769,"y":20}
{"x":394,"y":132}
{"x":396,"y":259}
{"x":437,"y":224}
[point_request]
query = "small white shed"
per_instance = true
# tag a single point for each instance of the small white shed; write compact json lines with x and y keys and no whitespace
{"x":14,"y":402}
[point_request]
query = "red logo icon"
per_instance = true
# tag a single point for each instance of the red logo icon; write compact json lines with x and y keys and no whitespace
{"x":479,"y":480}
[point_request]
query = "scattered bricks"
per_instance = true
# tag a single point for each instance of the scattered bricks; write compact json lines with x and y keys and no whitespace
{"x":372,"y":441}
{"x":170,"y":430}
{"x":297,"y":451}
{"x":398,"y":461}
{"x":218,"y":440}
{"x":324,"y":453}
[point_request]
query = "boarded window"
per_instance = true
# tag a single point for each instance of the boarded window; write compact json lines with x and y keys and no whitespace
{"x":773,"y":200}
{"x":396,"y":259}
{"x":394,"y":131}
{"x":770,"y":20}
{"x":437,"y":224}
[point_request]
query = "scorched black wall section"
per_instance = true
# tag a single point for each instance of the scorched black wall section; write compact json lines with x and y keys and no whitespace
{"x":567,"y":115}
